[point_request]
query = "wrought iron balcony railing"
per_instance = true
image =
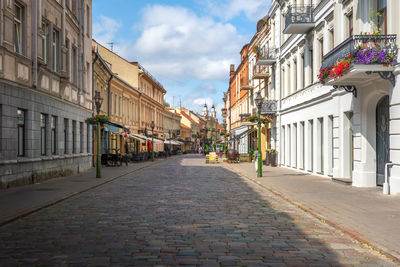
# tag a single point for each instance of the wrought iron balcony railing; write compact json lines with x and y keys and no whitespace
{"x":299,"y":19}
{"x":266,"y":55}
{"x":351,"y":45}
{"x":261,"y":72}
{"x":269,"y":107}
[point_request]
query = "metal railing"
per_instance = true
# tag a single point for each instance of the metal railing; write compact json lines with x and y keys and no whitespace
{"x":260,"y":70}
{"x":351,"y":45}
{"x":267,"y":52}
{"x":269,"y":107}
{"x":299,"y":14}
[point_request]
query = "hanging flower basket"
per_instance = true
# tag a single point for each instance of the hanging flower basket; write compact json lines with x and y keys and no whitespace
{"x":97,"y":119}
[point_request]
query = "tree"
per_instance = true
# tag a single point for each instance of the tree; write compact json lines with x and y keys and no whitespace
{"x":166,"y":104}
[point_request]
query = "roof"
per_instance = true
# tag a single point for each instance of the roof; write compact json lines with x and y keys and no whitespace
{"x":184,"y":126}
{"x":115,"y":75}
{"x":188,"y":117}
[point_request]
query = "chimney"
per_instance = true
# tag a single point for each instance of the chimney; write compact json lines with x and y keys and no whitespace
{"x":232,"y":71}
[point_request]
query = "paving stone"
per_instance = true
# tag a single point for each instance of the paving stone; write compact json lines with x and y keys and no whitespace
{"x":178,"y":212}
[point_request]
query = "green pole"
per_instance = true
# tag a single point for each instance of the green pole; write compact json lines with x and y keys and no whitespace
{"x":98,"y":161}
{"x":152,"y":147}
{"x":259,"y":170}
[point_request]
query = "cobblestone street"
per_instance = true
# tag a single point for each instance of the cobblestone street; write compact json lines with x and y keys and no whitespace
{"x":178,"y":212}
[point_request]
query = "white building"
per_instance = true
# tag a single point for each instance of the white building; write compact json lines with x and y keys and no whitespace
{"x":347,"y":128}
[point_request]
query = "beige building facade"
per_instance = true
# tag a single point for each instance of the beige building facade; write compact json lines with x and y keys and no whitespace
{"x":45,"y":77}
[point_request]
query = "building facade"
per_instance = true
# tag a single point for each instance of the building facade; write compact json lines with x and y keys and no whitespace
{"x":340,"y":126}
{"x":45,"y":88}
{"x":136,"y":100}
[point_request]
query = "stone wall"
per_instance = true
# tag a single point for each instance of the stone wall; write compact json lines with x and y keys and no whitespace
{"x":33,"y":166}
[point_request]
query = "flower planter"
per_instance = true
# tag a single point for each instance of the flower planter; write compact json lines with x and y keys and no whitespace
{"x":272,"y":159}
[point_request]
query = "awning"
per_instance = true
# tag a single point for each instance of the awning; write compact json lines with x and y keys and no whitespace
{"x":172,"y":142}
{"x":137,"y":138}
{"x":140,"y":137}
{"x":247,"y":132}
{"x":113,"y":127}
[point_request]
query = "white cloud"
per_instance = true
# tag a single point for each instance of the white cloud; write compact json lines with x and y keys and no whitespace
{"x":228,"y":9}
{"x":177,"y":43}
{"x":105,"y":29}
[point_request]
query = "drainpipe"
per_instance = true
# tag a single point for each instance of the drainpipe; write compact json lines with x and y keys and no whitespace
{"x":35,"y":43}
{"x":108,"y":94}
{"x":80,"y":53}
{"x":93,"y":132}
{"x":386,"y":184}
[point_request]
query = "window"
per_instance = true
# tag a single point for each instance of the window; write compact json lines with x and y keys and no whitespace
{"x":45,"y":32}
{"x":18,"y":24}
{"x":43,"y":134}
{"x":67,"y":4}
{"x":74,"y":137}
{"x":382,"y":17}
{"x":65,"y":136}
{"x":21,"y":132}
{"x":88,"y":75}
{"x":74,"y":66}
{"x":88,"y":138}
{"x":53,"y":126}
{"x":331,"y":39}
{"x":87,"y":20}
{"x":56,"y":50}
{"x":81,"y":137}
{"x":350,"y":24}
{"x":67,"y":57}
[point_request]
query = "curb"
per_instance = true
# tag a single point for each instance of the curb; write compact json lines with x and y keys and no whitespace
{"x":33,"y":210}
{"x":353,"y":234}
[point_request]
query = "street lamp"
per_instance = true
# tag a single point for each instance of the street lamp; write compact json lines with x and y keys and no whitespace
{"x":98,"y":100}
{"x":152,"y":140}
{"x":259,"y":100}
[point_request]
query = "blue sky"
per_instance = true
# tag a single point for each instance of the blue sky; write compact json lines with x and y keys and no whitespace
{"x":187,"y":45}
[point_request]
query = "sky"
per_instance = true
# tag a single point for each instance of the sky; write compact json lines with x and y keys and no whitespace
{"x":188,"y":45}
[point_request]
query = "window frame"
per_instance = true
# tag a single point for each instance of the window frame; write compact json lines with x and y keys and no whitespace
{"x":53,"y":136}
{"x":66,"y":122}
{"x":45,"y":39}
{"x":21,"y":130}
{"x":73,"y":136}
{"x":55,"y":47}
{"x":19,"y":28}
{"x":43,"y":134}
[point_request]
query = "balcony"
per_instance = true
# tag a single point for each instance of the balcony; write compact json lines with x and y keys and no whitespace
{"x":266,"y":56}
{"x":366,"y":59}
{"x":299,"y":19}
{"x":260,"y":72}
{"x":244,"y":84}
{"x":268,"y":107}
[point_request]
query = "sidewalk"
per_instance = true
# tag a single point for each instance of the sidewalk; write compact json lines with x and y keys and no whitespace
{"x":20,"y":201}
{"x":364,"y":213}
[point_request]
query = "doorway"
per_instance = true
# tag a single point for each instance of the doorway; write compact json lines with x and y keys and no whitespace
{"x":382,"y":138}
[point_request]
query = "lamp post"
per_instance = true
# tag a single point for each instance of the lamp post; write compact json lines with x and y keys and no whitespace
{"x":224,"y":115}
{"x":98,"y":100}
{"x":152,"y":140}
{"x":258,"y":100}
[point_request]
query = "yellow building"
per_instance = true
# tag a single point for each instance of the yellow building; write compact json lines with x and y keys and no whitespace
{"x":136,"y":100}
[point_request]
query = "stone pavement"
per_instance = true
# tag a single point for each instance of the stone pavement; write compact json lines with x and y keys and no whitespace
{"x":365,"y":213}
{"x":178,"y":212}
{"x":20,"y":201}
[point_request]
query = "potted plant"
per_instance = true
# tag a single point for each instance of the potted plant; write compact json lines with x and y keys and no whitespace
{"x":272,"y":157}
{"x":251,"y":154}
{"x":267,"y":157}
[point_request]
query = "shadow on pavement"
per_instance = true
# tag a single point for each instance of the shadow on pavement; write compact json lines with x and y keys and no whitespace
{"x":179,"y":212}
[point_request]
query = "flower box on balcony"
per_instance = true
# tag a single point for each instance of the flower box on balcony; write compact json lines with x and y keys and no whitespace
{"x":359,"y":59}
